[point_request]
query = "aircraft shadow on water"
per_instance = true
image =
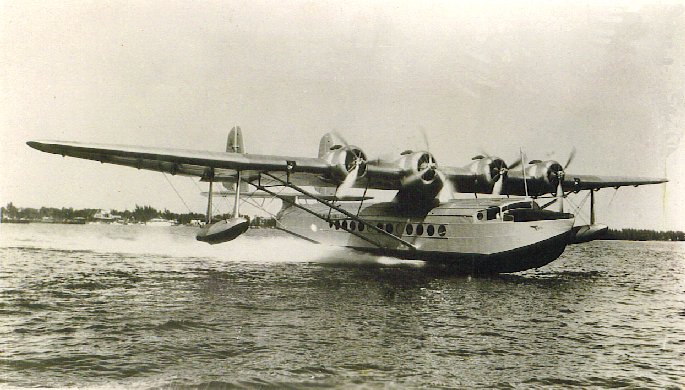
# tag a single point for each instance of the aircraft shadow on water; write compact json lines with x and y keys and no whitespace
{"x":508,"y":233}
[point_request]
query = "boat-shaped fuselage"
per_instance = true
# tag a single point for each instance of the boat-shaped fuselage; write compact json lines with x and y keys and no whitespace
{"x":488,"y":235}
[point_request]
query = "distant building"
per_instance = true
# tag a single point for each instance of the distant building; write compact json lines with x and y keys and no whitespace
{"x":106,"y":216}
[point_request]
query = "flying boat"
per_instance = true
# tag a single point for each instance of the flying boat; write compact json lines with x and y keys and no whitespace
{"x":512,"y":231}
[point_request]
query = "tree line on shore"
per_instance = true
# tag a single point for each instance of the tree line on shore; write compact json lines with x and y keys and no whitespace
{"x":11,"y":213}
{"x":644,"y":235}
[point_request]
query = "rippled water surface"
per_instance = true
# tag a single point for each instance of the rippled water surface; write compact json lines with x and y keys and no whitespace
{"x":144,"y":307}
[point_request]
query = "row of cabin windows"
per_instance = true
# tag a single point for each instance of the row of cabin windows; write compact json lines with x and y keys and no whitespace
{"x":410,"y":229}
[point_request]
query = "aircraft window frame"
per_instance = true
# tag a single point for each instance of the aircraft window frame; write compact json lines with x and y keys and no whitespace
{"x":389,"y":228}
{"x":519,"y":205}
{"x":353,"y":225}
{"x":337,"y":225}
{"x":360,"y":226}
{"x":343,"y":225}
{"x":419,"y":229}
{"x":430,"y":230}
{"x":409,"y":229}
{"x":442,"y":230}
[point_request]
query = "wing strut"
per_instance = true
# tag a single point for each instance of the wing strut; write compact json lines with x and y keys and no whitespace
{"x":209,"y":198}
{"x":369,"y":225}
{"x":592,"y":207}
{"x":236,"y":205}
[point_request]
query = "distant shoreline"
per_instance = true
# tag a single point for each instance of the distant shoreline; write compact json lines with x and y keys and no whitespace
{"x":144,"y":214}
{"x":141,"y":215}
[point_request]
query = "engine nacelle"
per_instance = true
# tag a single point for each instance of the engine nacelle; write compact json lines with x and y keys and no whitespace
{"x":421,"y":181}
{"x":344,"y":160}
{"x":486,"y":172}
{"x":543,"y":176}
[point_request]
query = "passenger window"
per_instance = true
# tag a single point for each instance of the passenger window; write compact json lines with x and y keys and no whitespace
{"x":361,"y":227}
{"x":419,"y":229}
{"x":344,"y":225}
{"x":388,"y":228}
{"x":442,"y":230}
{"x":409,"y":229}
{"x":430,"y":230}
{"x":352,"y":225}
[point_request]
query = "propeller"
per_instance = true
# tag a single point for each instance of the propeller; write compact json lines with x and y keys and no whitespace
{"x":447,"y":192}
{"x":354,"y":163}
{"x":560,"y":173}
{"x":426,"y":169}
{"x":422,"y":182}
{"x":560,"y":179}
{"x":498,"y":170}
{"x":571,"y":156}
{"x":344,"y":188}
{"x":340,"y":138}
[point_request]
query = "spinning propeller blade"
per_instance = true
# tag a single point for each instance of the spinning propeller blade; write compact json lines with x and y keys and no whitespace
{"x":570,"y":158}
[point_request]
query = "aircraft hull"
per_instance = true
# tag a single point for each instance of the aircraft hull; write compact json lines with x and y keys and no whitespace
{"x":520,"y":259}
{"x":459,"y":242}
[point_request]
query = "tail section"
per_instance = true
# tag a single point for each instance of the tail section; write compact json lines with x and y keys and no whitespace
{"x":327,"y":142}
{"x":234,"y":144}
{"x":235,"y":141}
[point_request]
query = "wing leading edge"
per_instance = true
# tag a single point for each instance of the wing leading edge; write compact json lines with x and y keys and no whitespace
{"x":305,"y":171}
{"x":575,"y":183}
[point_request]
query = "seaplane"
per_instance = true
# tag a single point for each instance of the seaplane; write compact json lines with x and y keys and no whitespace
{"x":510,"y":232}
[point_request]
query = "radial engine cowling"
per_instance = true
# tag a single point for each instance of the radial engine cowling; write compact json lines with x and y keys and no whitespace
{"x":487,"y":171}
{"x":544,"y":176}
{"x":421,"y":181}
{"x":345,"y":160}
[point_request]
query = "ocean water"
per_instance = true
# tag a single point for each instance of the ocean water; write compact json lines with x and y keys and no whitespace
{"x":106,"y":306}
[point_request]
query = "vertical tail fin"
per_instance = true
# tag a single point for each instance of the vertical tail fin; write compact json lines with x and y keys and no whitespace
{"x":235,"y":141}
{"x":234,"y":144}
{"x":325,"y":144}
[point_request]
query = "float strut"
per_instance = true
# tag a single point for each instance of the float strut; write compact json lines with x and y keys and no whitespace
{"x":209,"y":201}
{"x":236,"y":205}
{"x":592,"y":207}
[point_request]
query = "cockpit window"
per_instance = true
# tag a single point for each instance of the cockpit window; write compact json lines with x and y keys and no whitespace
{"x":521,"y":205}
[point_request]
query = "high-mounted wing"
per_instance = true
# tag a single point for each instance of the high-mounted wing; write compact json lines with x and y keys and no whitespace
{"x":547,"y":184}
{"x":224,"y":166}
{"x":414,"y":174}
{"x":591,"y":182}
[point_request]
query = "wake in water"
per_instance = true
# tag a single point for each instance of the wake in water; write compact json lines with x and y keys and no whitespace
{"x":257,"y":246}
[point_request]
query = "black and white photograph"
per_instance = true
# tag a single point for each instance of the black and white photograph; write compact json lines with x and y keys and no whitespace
{"x":301,"y":194}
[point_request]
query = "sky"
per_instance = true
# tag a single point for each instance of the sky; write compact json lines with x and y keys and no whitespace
{"x":488,"y":77}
